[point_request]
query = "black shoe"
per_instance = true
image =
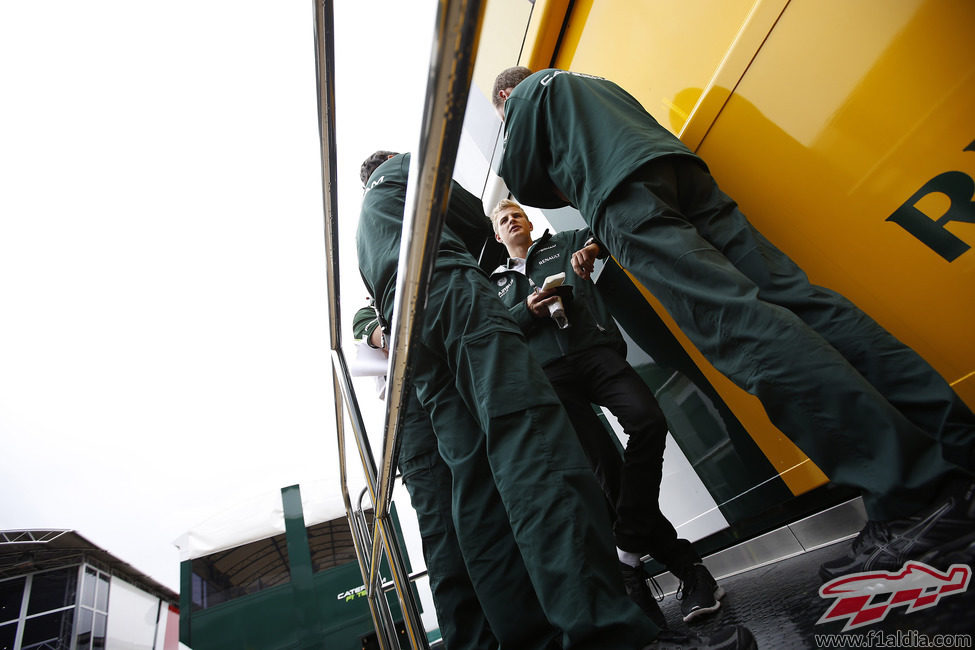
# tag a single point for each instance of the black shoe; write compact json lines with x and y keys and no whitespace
{"x":962,"y":553}
{"x":726,"y":638}
{"x":698,"y":593}
{"x":635,"y":580}
{"x":927,"y":537}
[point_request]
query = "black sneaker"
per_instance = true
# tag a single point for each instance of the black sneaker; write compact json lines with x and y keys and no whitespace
{"x":961,"y":553}
{"x":726,"y":638}
{"x":887,"y":545}
{"x":698,"y":593}
{"x":635,"y":580}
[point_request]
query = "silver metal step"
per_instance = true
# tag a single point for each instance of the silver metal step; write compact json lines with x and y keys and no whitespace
{"x":815,"y":531}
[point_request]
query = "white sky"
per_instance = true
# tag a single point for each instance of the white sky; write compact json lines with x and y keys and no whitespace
{"x":163,"y":322}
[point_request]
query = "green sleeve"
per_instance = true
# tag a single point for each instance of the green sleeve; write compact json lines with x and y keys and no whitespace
{"x":578,"y":239}
{"x":523,"y":316}
{"x":363,"y":323}
{"x":526,"y":157}
{"x":465,"y":217}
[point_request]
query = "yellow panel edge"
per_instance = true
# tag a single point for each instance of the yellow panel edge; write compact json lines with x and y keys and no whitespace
{"x":543,"y":33}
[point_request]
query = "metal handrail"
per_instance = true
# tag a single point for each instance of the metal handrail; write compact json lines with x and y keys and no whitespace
{"x":451,"y":70}
{"x":325,"y":73}
{"x":360,"y":514}
{"x":448,"y":86}
{"x":362,"y":539}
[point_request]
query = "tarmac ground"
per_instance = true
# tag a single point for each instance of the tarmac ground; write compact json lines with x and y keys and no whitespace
{"x":780,"y":603}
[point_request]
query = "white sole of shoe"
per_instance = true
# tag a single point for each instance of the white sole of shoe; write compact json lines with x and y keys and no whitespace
{"x":719,"y":593}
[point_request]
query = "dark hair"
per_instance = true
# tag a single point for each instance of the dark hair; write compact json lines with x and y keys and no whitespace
{"x":374,"y":160}
{"x":509,"y":78}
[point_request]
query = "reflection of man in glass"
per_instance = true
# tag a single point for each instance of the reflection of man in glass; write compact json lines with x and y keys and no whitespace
{"x":520,"y":444}
{"x":864,"y":407}
{"x":462,"y":621}
{"x":586,"y":363}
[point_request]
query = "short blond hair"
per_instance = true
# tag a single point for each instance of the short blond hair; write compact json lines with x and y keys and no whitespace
{"x":503,"y":205}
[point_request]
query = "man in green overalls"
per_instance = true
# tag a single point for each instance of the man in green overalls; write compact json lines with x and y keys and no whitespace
{"x":521,"y":445}
{"x":586,"y":363}
{"x":864,"y":407}
{"x":427,"y":479}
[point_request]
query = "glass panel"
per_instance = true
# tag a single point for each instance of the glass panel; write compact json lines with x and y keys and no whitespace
{"x":88,"y":591}
{"x":11,"y":595}
{"x":53,"y":589}
{"x":7,"y":635}
{"x":98,"y":637}
{"x":84,"y":629}
{"x":240,"y":571}
{"x":48,"y":631}
{"x":101,"y":601}
{"x":331,"y":544}
{"x":199,"y":593}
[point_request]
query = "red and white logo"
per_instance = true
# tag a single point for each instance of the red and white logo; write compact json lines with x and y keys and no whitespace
{"x":866,"y":598}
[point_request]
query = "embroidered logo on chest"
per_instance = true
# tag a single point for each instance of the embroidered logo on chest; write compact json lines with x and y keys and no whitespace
{"x":505,"y":284}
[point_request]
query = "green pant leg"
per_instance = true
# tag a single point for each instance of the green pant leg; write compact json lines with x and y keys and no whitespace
{"x":555,"y":507}
{"x":427,"y":479}
{"x":484,"y":535}
{"x":809,"y":389}
{"x":899,"y":373}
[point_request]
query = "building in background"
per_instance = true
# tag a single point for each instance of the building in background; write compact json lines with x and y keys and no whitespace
{"x":276,"y":572}
{"x":59,"y":591}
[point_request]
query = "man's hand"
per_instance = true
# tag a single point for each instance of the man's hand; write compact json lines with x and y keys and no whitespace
{"x":377,"y":340}
{"x":583,"y":260}
{"x":538,"y":302}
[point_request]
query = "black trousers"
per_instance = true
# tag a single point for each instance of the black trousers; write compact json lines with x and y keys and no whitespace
{"x":600,"y":375}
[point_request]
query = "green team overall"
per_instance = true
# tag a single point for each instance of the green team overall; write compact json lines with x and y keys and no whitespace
{"x":591,"y":326}
{"x":427,"y":479}
{"x":516,"y":440}
{"x":864,"y":407}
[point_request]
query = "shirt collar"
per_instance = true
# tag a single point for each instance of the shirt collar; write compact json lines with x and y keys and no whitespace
{"x":516,"y":264}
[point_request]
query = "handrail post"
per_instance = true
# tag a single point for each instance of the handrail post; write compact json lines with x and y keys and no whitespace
{"x":432,"y":166}
{"x":325,"y":73}
{"x":451,"y":70}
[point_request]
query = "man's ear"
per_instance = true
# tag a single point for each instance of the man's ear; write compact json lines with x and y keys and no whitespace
{"x":498,"y":237}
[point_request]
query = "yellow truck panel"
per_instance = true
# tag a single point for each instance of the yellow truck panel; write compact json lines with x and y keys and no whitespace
{"x":844,"y":130}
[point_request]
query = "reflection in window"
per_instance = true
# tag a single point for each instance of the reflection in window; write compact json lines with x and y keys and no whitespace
{"x":331,"y":544}
{"x":11,"y":596}
{"x":52,"y":589}
{"x":84,"y":627}
{"x":101,"y":598}
{"x":8,"y":633}
{"x":88,"y":589}
{"x":240,"y":571}
{"x":49,"y":619}
{"x":98,"y":634}
{"x":93,"y":612}
{"x":48,"y":631}
{"x":49,"y":614}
